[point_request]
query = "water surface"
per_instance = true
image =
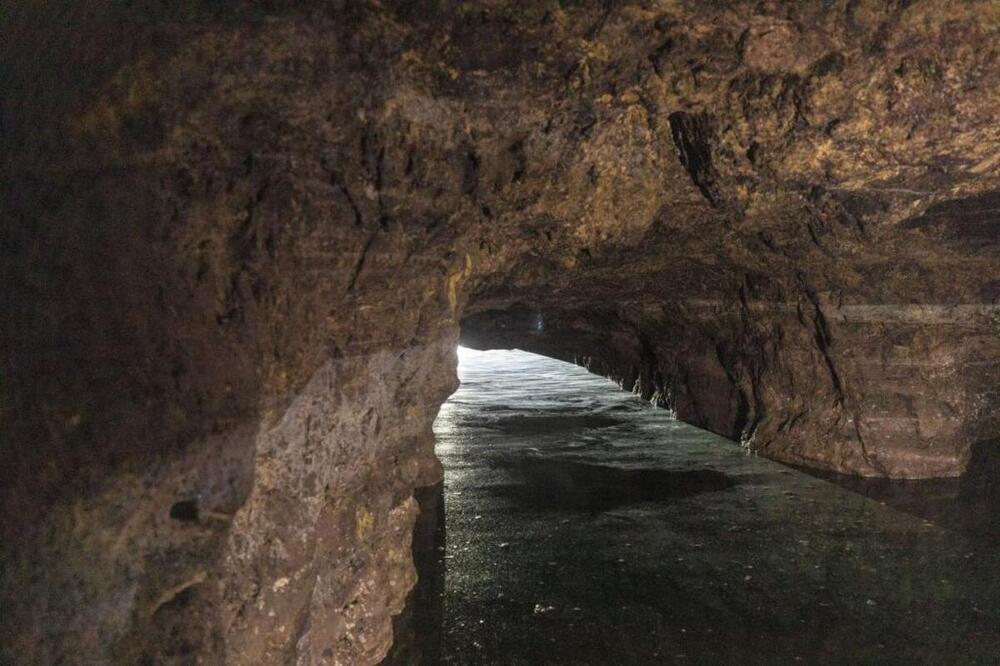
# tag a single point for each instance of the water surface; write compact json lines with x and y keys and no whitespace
{"x":578,"y":525}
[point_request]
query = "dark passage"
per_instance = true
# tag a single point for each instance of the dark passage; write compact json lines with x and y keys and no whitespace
{"x":578,"y":525}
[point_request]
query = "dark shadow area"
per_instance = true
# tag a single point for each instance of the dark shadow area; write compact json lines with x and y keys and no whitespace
{"x":185,"y":511}
{"x":969,"y":505}
{"x":417,"y":630}
{"x":970,"y":223}
{"x":567,"y":485}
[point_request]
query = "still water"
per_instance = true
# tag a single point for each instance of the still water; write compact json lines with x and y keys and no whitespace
{"x":579,"y":525}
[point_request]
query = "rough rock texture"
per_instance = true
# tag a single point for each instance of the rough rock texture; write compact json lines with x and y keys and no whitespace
{"x":238,"y":238}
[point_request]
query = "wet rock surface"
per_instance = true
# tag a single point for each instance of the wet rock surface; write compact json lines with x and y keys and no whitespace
{"x":764,"y":564}
{"x":239,"y":238}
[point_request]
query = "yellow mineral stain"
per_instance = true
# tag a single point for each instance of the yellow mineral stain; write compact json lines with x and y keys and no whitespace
{"x":454,"y":280}
{"x":364,"y":520}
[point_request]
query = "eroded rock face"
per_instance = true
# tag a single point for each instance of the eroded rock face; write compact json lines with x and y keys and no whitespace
{"x":239,"y":239}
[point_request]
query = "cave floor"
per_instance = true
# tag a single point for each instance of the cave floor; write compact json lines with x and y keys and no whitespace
{"x":586,"y":527}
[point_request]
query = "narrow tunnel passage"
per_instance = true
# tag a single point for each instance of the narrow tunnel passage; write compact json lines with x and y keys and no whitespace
{"x":578,"y":524}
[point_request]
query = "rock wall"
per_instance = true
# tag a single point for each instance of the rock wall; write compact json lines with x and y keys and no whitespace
{"x":238,"y":239}
{"x":227,"y":339}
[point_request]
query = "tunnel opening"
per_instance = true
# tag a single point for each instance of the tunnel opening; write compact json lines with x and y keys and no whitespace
{"x":578,"y":522}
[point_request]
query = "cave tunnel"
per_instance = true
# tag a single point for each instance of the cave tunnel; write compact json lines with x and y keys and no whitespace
{"x":578,"y":523}
{"x":241,"y":240}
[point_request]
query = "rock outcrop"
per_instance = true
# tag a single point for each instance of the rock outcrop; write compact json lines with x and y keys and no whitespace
{"x":239,"y":239}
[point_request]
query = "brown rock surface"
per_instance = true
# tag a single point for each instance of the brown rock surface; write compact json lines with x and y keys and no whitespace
{"x":239,"y":238}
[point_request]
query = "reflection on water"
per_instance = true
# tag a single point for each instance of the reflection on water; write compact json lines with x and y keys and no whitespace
{"x":539,"y":483}
{"x":585,"y":527}
{"x":969,"y":505}
{"x":418,"y":629}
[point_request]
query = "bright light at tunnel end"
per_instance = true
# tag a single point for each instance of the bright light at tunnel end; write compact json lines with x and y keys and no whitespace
{"x":493,"y":358}
{"x":465,"y":354}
